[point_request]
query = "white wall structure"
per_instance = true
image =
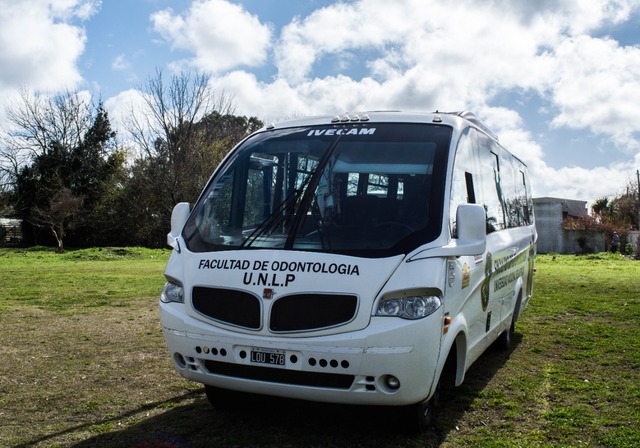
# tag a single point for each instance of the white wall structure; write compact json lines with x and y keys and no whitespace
{"x":552,"y":238}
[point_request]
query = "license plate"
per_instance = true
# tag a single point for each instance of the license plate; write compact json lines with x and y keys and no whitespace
{"x":270,"y":357}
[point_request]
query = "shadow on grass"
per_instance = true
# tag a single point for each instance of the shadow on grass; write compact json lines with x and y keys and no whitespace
{"x":191,"y":422}
{"x":86,"y":426}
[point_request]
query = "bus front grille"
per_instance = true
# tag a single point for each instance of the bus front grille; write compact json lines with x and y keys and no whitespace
{"x":283,"y":376}
{"x":228,"y":305}
{"x":288,"y":314}
{"x":305,"y":312}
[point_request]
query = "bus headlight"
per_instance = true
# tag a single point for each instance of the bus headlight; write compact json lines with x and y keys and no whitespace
{"x":410,"y":307}
{"x":172,"y":292}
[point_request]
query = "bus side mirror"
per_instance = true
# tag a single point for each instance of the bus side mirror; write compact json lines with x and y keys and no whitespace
{"x":179,"y":217}
{"x":471,"y":222}
{"x":471,"y":239}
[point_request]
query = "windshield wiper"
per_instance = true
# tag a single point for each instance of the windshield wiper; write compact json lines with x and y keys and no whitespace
{"x":304,"y":195}
{"x":309,"y":193}
{"x":278,"y":216}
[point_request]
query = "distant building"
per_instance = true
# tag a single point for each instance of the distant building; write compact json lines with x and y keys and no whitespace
{"x":550,"y":214}
{"x":10,"y":232}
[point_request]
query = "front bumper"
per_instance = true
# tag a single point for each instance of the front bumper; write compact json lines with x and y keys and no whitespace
{"x":352,"y":368}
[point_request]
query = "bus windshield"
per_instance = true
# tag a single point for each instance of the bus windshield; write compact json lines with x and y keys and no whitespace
{"x":374,"y":190}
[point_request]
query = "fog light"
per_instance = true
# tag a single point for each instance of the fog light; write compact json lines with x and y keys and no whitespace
{"x":179,"y":360}
{"x":392,"y":382}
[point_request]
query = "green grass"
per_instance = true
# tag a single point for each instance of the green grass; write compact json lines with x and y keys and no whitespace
{"x":584,"y":328}
{"x":84,"y":364}
{"x":79,"y":278}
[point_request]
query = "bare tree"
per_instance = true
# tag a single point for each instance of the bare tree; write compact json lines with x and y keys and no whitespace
{"x":182,"y":131}
{"x":57,"y":217}
{"x":169,"y":139}
{"x":10,"y":162}
{"x":172,"y":108}
{"x":38,"y":120}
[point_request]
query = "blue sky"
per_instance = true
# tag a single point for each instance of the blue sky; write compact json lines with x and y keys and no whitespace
{"x":558,"y":81}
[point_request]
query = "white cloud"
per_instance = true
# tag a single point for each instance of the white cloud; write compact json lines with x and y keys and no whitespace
{"x":597,"y":88}
{"x":122,"y":108}
{"x":575,"y":182}
{"x":122,"y":105}
{"x":405,"y":54}
{"x":329,"y":95}
{"x":120,"y":63}
{"x":267,"y":101}
{"x":427,"y":55}
{"x":338,"y":27}
{"x":434,"y":37}
{"x":87,"y":9}
{"x":40,"y":45}
{"x":37,"y":47}
{"x":220,"y":34}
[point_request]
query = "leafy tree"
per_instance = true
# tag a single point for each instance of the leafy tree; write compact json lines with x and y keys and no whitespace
{"x":97,"y":167}
{"x":620,"y":214}
{"x":622,"y":211}
{"x":64,"y":175}
{"x":627,"y":206}
{"x":71,"y":159}
{"x":603,"y":209}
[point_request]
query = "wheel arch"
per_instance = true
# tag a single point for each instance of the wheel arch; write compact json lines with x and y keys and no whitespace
{"x":517,"y":300}
{"x":454,"y":365}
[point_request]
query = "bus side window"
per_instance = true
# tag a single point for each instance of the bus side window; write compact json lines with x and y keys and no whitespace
{"x":462,"y":183}
{"x":490,"y":191}
{"x":528,"y":220}
{"x":477,"y":179}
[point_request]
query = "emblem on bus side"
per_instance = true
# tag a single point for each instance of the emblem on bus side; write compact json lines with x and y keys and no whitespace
{"x":466,"y":275}
{"x":486,"y":284}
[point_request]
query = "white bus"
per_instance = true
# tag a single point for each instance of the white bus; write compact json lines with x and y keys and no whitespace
{"x":349,"y":259}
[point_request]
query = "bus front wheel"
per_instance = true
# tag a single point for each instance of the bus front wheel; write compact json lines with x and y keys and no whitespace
{"x":223,"y":399}
{"x":419,"y":416}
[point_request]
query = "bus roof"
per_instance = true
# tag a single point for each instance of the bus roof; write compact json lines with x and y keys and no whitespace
{"x":390,"y":116}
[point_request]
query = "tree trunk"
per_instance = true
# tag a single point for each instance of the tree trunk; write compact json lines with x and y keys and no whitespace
{"x":60,"y":248}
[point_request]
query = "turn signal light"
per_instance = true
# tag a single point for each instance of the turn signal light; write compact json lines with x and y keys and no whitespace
{"x":447,"y":322}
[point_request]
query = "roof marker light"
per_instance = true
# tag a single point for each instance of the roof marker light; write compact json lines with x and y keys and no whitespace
{"x":350,"y":117}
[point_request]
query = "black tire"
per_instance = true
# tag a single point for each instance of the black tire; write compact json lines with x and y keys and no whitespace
{"x":419,"y":416}
{"x":504,"y":340}
{"x":223,"y":399}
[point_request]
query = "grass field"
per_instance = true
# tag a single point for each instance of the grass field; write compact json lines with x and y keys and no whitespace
{"x":84,"y":365}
